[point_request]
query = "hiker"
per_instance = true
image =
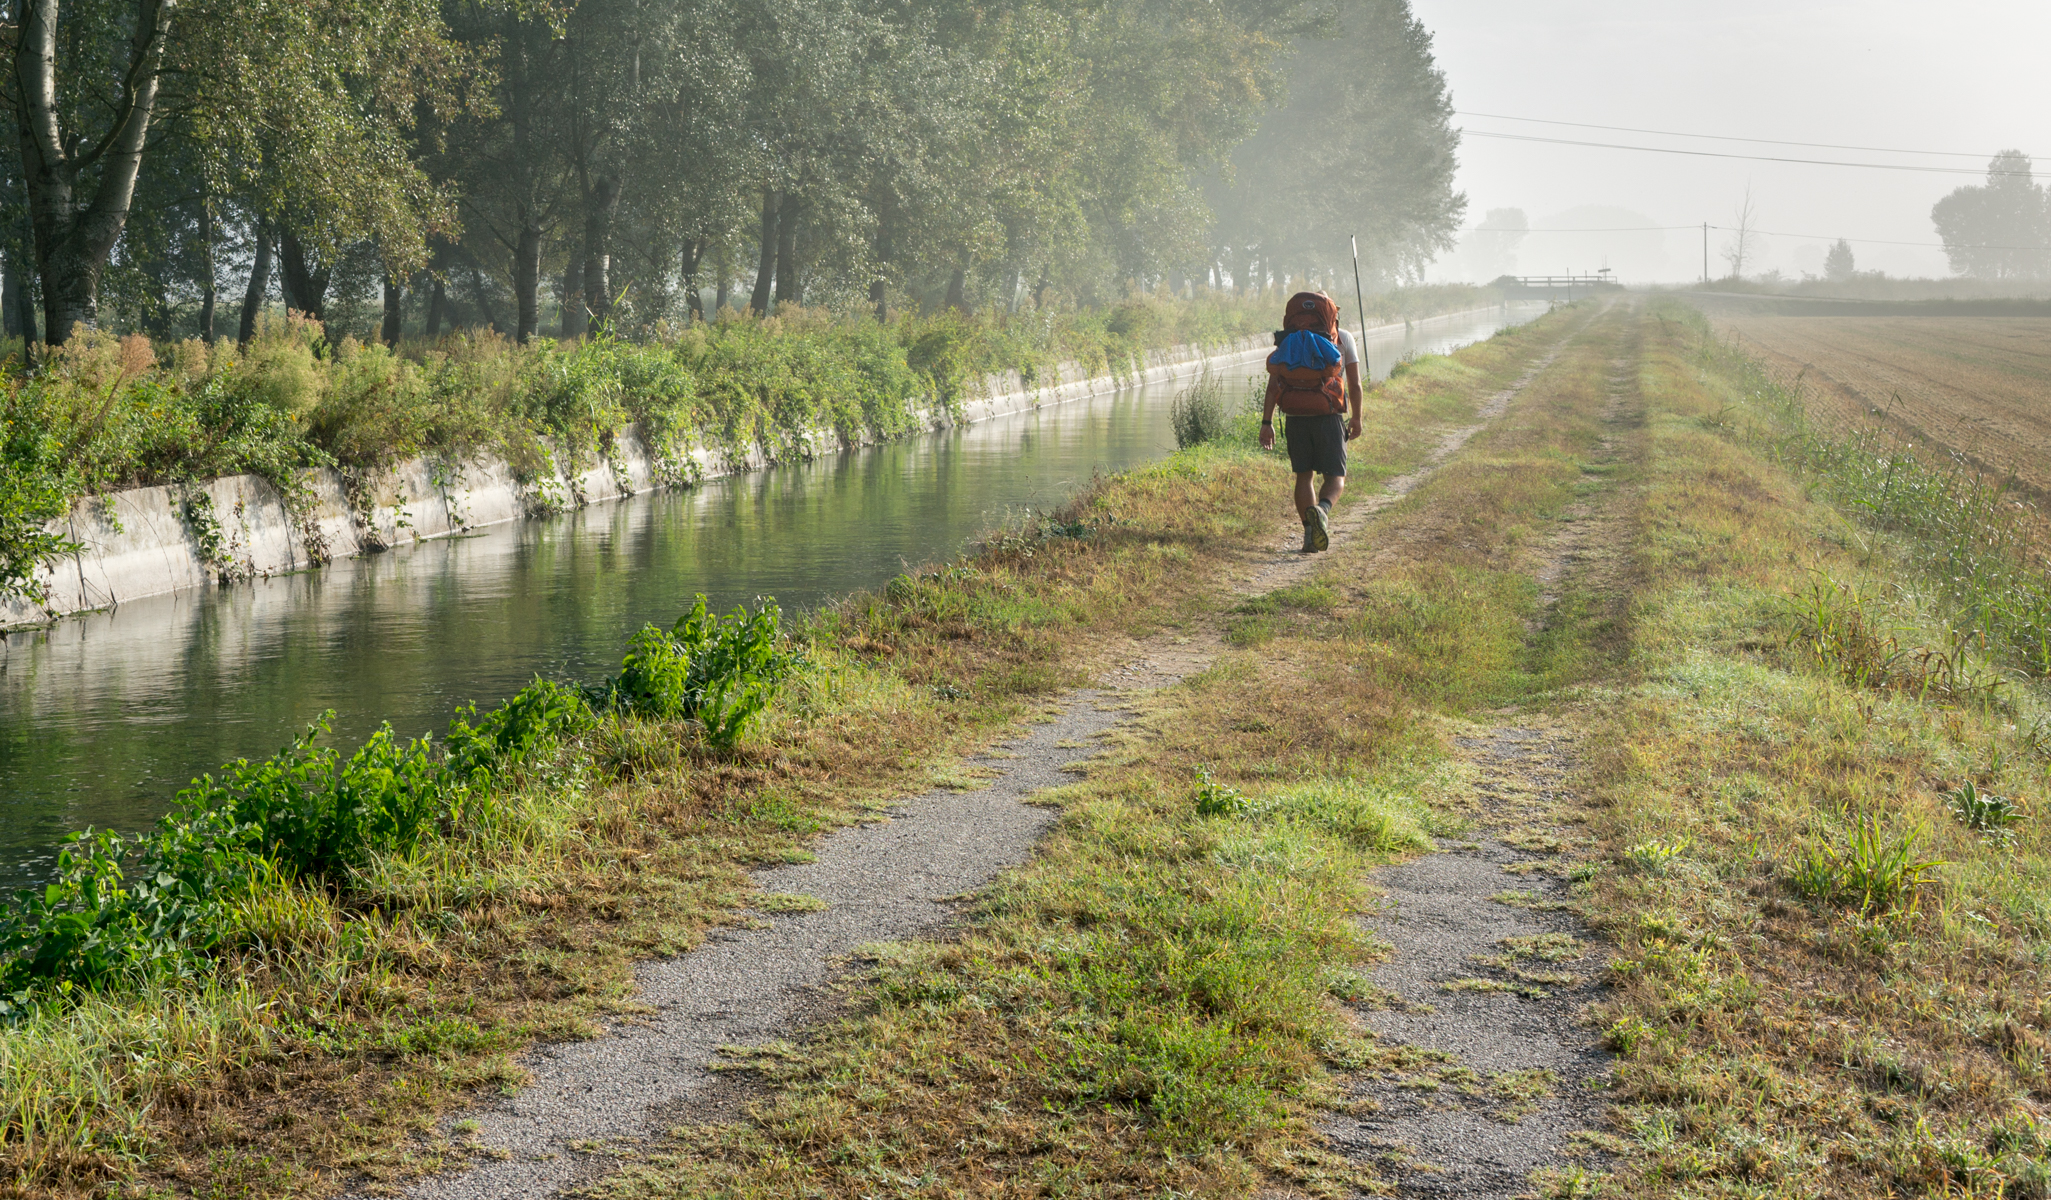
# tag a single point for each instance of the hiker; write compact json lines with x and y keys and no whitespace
{"x":1311,"y":351}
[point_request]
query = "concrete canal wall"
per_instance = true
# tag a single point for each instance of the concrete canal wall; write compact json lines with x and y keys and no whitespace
{"x":154,"y":540}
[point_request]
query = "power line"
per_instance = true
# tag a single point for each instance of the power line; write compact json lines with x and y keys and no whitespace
{"x":1718,"y":137}
{"x":1816,"y":162}
{"x":1819,"y":237}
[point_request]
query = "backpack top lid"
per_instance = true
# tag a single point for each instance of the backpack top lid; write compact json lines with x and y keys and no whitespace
{"x":1311,"y":310}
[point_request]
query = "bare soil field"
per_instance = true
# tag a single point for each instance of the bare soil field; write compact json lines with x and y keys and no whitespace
{"x":1980,"y":386}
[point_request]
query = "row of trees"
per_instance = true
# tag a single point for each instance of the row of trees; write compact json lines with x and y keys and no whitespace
{"x":420,"y":164}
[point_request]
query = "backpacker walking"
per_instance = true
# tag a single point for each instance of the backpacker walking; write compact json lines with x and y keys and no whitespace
{"x":1312,"y":354}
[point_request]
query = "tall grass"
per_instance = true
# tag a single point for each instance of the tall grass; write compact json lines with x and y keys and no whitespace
{"x":1981,"y":539}
{"x":1201,"y":411}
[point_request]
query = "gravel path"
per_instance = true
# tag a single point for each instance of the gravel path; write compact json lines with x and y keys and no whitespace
{"x":885,"y":881}
{"x":1505,"y":1076}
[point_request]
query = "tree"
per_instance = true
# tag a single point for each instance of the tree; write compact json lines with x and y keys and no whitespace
{"x":1743,"y":244}
{"x":2000,"y":229}
{"x":1490,"y":250}
{"x":1363,"y":145}
{"x":305,"y":109}
{"x":1838,"y":265}
{"x":80,"y":179}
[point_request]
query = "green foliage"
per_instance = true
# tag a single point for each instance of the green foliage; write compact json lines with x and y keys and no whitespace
{"x":36,"y":485}
{"x":1200,"y":412}
{"x":123,"y":911}
{"x":315,"y":813}
{"x":1871,"y":873}
{"x":1983,"y":813}
{"x":718,"y":671}
{"x":1214,"y":799}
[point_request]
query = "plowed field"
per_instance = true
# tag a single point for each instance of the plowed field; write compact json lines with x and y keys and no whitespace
{"x":1977,"y":385}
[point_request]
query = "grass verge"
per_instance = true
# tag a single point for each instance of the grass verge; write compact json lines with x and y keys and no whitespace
{"x":1831,"y":969}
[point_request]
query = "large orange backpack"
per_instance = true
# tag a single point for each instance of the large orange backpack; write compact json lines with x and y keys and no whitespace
{"x":1309,"y":391}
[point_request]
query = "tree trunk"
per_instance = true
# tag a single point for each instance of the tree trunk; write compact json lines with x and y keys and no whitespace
{"x":723,"y":263}
{"x":306,"y":289}
{"x":395,"y":313}
{"x":765,"y":268}
{"x":20,"y":314}
{"x":483,"y":295}
{"x":573,"y":298}
{"x":259,"y":284}
{"x":1040,"y":292}
{"x":74,"y":234}
{"x":694,"y":299}
{"x":601,"y":203}
{"x":207,"y":284}
{"x":957,"y":292}
{"x":527,"y":282}
{"x":879,"y":288}
{"x":787,"y":289}
{"x":437,"y":308}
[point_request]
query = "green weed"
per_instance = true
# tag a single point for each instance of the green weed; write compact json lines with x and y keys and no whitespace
{"x":1872,"y":872}
{"x":1984,"y":813}
{"x":1199,"y":412}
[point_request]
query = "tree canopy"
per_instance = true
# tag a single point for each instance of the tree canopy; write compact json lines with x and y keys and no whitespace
{"x":426,"y":164}
{"x":2000,"y":229}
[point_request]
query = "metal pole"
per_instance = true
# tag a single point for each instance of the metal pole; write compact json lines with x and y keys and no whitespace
{"x":1705,"y":253}
{"x":1360,"y":298}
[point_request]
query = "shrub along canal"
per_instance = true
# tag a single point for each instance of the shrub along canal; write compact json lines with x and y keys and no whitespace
{"x":104,"y":717}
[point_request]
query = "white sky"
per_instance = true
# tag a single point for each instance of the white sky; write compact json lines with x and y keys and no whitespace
{"x":1963,"y":75}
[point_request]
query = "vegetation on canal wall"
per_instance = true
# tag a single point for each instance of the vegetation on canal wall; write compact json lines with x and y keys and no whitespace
{"x":105,"y":413}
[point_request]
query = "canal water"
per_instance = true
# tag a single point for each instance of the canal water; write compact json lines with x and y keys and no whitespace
{"x":104,"y":717}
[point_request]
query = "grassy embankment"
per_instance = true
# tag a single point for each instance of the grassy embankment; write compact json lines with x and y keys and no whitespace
{"x":104,"y":413}
{"x":1821,"y":796}
{"x":331,"y":1014}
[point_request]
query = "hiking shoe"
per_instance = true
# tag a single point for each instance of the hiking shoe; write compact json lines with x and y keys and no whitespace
{"x":1317,"y":532}
{"x":1310,"y":532}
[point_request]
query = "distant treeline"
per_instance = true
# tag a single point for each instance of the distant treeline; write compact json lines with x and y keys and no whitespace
{"x":410,"y":167}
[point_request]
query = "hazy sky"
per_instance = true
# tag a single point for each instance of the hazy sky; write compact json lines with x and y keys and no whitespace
{"x":1963,"y":75}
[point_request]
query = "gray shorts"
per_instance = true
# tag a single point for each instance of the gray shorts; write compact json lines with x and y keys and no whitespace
{"x":1317,"y":444}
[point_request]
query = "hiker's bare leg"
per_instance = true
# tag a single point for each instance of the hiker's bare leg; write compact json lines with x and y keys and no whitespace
{"x":1304,"y":496}
{"x":1328,"y":495}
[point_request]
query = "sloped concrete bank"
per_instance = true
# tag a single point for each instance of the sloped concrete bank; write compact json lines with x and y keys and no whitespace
{"x":156,"y":540}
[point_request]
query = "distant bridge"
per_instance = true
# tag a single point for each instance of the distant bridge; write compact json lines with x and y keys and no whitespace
{"x":1551,"y":285}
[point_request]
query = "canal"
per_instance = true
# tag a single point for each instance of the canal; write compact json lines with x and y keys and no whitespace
{"x":104,"y":716}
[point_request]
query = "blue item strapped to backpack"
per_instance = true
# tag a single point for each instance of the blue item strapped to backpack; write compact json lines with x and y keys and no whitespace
{"x":1306,"y":348}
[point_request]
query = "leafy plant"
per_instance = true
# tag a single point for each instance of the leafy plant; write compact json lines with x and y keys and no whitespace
{"x":1871,"y":873}
{"x":1652,"y":856}
{"x":1983,"y":813}
{"x":718,"y":671}
{"x":312,"y":812}
{"x":1214,"y":799}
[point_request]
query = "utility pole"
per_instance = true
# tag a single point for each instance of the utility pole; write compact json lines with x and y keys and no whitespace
{"x":1705,"y":253}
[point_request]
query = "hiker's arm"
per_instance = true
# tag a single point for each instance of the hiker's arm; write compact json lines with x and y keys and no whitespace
{"x":1353,"y":397}
{"x":1268,"y":412}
